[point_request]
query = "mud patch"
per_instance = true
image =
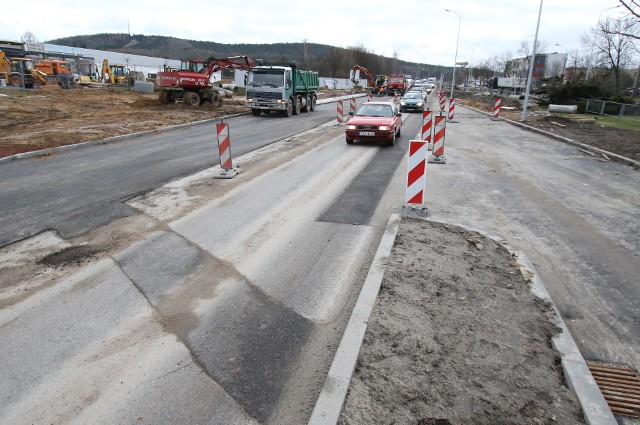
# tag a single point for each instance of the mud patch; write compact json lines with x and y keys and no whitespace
{"x":70,"y":255}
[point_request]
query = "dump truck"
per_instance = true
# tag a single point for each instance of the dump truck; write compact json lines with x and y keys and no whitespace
{"x":58,"y":70}
{"x":397,"y":84}
{"x":286,"y":89}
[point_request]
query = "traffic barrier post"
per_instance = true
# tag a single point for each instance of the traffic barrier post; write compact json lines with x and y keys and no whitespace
{"x":369,"y":97}
{"x":496,"y":109}
{"x":427,"y":119}
{"x":439,"y":127}
{"x":442,"y":103}
{"x":416,"y":174}
{"x":452,"y":107}
{"x":340,"y":112}
{"x":227,"y":171}
{"x":352,"y":105}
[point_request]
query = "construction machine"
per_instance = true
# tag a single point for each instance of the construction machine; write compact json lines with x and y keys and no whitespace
{"x":21,"y":72}
{"x":371,"y":79}
{"x":114,"y":74}
{"x":58,"y":70}
{"x":195,"y":87}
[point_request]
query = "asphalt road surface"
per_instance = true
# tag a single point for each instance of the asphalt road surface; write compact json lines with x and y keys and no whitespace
{"x":231,"y":311}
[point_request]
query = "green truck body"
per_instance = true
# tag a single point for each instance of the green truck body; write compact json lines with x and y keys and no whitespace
{"x":281,"y":88}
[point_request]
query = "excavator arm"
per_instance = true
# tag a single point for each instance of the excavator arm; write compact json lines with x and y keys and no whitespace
{"x":370,"y":77}
{"x":238,"y":62}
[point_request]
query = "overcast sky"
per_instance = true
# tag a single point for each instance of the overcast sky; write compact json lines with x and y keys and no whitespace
{"x":418,"y":30}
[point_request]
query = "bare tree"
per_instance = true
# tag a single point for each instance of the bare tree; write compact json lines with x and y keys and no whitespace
{"x":632,"y":19}
{"x":525,"y":47}
{"x":574,"y":63}
{"x":29,"y":38}
{"x":614,"y":49}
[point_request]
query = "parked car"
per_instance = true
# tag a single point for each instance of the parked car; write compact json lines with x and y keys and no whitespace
{"x":412,"y":101}
{"x":374,"y":121}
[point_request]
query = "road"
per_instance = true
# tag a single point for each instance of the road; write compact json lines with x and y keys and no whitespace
{"x":228,"y":299}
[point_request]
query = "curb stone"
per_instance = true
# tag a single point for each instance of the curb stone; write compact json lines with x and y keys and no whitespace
{"x":579,"y":379}
{"x":562,"y":138}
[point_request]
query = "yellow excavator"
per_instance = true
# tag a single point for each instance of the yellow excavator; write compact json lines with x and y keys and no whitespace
{"x":114,"y":74}
{"x":14,"y":70}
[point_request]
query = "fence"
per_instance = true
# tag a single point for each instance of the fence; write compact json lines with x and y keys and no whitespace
{"x":604,"y":107}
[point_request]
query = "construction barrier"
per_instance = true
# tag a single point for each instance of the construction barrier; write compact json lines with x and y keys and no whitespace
{"x":352,"y":105}
{"x":452,"y":107}
{"x":224,"y":150}
{"x":340,"y":112}
{"x":496,"y":108}
{"x":442,"y":102}
{"x":427,"y":118}
{"x":438,"y":140}
{"x":416,"y":169}
{"x":370,"y":98}
{"x":395,"y":96}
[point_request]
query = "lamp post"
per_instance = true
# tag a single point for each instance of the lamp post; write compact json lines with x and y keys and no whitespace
{"x":471,"y":62}
{"x":564,"y":65}
{"x":455,"y":59}
{"x":523,"y":117}
{"x":593,"y":44}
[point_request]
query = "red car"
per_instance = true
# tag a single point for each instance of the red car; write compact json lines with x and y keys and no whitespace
{"x":375,"y":121}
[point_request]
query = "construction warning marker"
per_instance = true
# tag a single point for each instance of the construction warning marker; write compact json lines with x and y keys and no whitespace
{"x":224,"y":149}
{"x":438,"y":140}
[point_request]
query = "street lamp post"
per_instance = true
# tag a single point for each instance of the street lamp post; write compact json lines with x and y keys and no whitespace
{"x":523,"y":117}
{"x":593,"y":44}
{"x":455,"y":60}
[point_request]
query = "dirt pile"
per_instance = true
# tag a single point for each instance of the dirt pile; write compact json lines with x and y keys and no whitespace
{"x":456,"y":337}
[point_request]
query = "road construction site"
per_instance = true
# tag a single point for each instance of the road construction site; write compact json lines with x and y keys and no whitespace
{"x":193,"y":299}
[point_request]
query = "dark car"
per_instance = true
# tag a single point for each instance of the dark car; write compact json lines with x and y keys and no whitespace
{"x":375,"y":121}
{"x":412,"y":101}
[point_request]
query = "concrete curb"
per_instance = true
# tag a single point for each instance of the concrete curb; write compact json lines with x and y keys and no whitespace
{"x":561,"y":138}
{"x":115,"y":139}
{"x":329,"y":404}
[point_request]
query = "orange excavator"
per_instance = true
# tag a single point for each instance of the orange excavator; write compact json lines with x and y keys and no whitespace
{"x":371,"y":78}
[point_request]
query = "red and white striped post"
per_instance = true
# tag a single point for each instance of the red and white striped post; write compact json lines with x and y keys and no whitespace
{"x":395,"y":96}
{"x":427,"y":118}
{"x":438,"y":140}
{"x":496,"y":108}
{"x":452,"y":107}
{"x":352,"y":105}
{"x":340,"y":112}
{"x":369,"y":97}
{"x":442,"y":102}
{"x":224,"y":150}
{"x":416,"y":169}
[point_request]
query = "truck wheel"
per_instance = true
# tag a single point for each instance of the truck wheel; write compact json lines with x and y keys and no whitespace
{"x":289,"y":111}
{"x":191,"y":99}
{"x":15,"y":81}
{"x":312,"y":103}
{"x":164,"y":97}
{"x":215,"y":99}
{"x":256,"y":112}
{"x":298,"y":106}
{"x":305,"y":108}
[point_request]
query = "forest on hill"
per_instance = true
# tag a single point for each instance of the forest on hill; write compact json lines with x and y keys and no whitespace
{"x":328,"y":60}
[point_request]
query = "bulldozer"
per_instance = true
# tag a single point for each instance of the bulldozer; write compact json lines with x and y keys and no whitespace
{"x":21,"y":72}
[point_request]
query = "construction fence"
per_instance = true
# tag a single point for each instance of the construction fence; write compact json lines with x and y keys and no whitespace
{"x":604,"y":107}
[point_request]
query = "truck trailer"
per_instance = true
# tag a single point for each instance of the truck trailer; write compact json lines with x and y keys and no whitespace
{"x":281,"y":88}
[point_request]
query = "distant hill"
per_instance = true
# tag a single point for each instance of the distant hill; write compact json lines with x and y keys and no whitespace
{"x":330,"y":61}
